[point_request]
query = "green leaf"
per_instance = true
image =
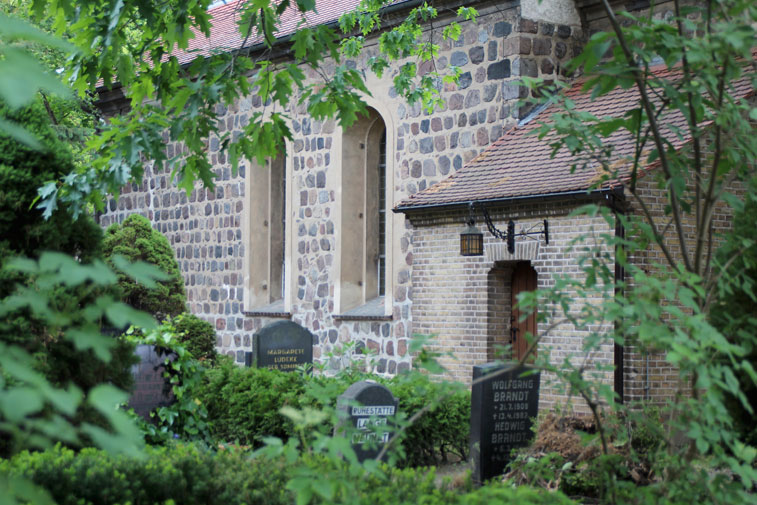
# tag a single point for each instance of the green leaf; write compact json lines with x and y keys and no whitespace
{"x":18,"y":403}
{"x":17,"y":490}
{"x":21,"y":76}
{"x":17,"y":29}
{"x":142,"y":272}
{"x":15,"y":131}
{"x":121,"y":315}
{"x":90,"y":338}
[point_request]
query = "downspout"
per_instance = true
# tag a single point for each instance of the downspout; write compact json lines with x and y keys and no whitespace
{"x":620,"y":273}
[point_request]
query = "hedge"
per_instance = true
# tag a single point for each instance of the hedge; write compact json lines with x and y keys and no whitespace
{"x":190,"y":475}
{"x":182,"y":473}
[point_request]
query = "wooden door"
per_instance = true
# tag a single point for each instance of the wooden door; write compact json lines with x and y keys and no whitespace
{"x":524,"y":279}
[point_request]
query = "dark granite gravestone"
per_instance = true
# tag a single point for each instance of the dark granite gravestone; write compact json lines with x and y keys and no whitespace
{"x":502,"y":409}
{"x":365,"y":405}
{"x":282,"y":345}
{"x":150,"y":389}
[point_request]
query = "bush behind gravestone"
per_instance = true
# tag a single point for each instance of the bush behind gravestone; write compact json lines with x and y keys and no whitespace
{"x":243,"y":406}
{"x":442,"y":433}
{"x":135,"y":240}
{"x":243,"y":403}
{"x":197,"y":336}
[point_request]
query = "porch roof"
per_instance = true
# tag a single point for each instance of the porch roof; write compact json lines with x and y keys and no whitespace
{"x":520,"y":164}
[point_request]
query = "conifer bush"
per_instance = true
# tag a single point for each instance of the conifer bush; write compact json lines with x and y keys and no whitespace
{"x":135,"y":240}
{"x":197,"y":336}
{"x":24,"y":231}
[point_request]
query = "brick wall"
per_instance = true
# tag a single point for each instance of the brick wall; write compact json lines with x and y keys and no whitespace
{"x":648,"y":376}
{"x":465,"y":301}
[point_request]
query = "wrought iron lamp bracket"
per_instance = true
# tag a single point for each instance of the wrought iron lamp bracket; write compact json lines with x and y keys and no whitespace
{"x":509,"y":234}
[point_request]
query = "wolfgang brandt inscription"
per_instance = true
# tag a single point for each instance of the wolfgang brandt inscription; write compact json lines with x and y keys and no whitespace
{"x":283,"y":345}
{"x":502,"y":408}
{"x":367,"y":406}
{"x":150,"y":388}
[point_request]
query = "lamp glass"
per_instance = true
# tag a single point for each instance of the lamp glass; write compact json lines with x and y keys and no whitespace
{"x":471,"y":242}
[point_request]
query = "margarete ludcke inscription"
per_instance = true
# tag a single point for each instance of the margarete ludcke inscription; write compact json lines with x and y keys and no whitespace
{"x":283,"y":345}
{"x":367,"y":406}
{"x":503,"y":405}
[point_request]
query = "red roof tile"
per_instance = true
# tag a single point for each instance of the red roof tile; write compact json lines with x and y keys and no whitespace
{"x":520,"y":165}
{"x":225,"y":34}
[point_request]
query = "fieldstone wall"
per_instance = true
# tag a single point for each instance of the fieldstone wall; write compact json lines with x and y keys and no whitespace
{"x":205,"y":227}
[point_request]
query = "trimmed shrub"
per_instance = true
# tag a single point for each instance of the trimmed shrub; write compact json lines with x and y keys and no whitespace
{"x":197,"y":336}
{"x":441,"y":432}
{"x":181,"y":473}
{"x":135,"y":240}
{"x":189,"y":475}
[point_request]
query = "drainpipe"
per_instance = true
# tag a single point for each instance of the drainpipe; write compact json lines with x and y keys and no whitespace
{"x":646,"y":376}
{"x":616,"y":204}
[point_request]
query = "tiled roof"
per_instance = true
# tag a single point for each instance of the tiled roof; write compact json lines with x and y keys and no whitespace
{"x":225,"y":34}
{"x":520,"y":165}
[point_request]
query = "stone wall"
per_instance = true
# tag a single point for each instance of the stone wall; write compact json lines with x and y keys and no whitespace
{"x":207,"y":227}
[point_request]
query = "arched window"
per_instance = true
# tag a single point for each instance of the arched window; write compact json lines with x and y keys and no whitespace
{"x":265,"y":241}
{"x":364,"y":274}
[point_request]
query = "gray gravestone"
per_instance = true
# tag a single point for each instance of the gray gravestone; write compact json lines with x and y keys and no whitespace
{"x":366,"y":405}
{"x":150,"y":389}
{"x":282,"y":345}
{"x":502,"y":409}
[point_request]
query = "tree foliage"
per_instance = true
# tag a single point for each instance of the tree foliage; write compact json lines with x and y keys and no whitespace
{"x":693,"y":129}
{"x":136,"y":45}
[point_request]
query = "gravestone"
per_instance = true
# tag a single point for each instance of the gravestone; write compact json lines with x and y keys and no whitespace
{"x":150,"y":389}
{"x":283,"y":345}
{"x":502,"y":408}
{"x":365,"y":405}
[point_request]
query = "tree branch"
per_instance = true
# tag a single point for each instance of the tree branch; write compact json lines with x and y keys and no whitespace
{"x":656,"y":134}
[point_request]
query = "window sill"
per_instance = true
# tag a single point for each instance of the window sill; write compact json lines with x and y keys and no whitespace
{"x":275,"y":309}
{"x":372,"y":310}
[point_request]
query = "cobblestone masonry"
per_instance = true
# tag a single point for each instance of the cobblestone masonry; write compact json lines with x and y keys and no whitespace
{"x":205,"y":227}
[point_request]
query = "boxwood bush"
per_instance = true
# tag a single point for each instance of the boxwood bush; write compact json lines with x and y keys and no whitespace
{"x":181,"y":473}
{"x":197,"y":336}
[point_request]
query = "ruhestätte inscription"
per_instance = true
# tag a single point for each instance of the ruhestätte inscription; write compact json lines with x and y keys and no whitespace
{"x":367,"y":406}
{"x":150,"y":389}
{"x":283,"y":345}
{"x":502,"y":409}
